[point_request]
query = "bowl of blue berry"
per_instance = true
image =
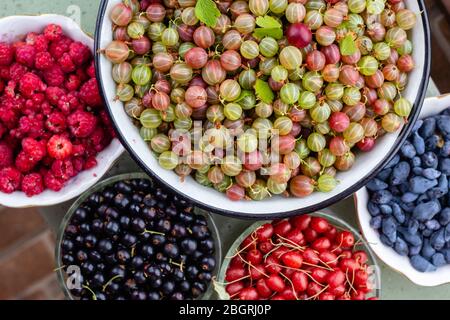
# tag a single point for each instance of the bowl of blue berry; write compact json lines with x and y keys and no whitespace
{"x":404,"y":212}
{"x":127,"y":239}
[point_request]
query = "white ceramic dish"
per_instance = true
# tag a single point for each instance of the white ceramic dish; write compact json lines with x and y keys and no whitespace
{"x":366,"y":166}
{"x":13,"y":29}
{"x":401,"y":264}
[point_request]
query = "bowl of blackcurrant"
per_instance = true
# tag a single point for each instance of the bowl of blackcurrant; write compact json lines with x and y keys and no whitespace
{"x":127,"y":239}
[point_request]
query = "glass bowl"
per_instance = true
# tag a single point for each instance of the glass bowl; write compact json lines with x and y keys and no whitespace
{"x":61,"y":274}
{"x":374,"y":275}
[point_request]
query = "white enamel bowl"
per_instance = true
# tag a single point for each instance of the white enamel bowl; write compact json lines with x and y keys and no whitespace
{"x":14,"y":28}
{"x":401,"y":264}
{"x":366,"y":165}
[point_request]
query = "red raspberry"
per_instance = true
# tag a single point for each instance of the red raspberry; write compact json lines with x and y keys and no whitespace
{"x":91,"y":162}
{"x":32,"y":184}
{"x":91,"y":70}
{"x":58,"y":48}
{"x":80,"y":53}
{"x":10,"y":179}
{"x":9,"y":117}
{"x":97,"y":139}
{"x":30,"y":39}
{"x":66,"y":63}
{"x":63,"y":169}
{"x":5,"y":73}
{"x":56,"y":122}
{"x":53,"y":32}
{"x":41,"y":43}
{"x":35,"y":149}
{"x":10,"y":90}
{"x":59,"y":147}
{"x":31,"y":83}
{"x":64,"y":104}
{"x":54,"y":76}
{"x":82,"y":123}
{"x":6,"y":54}
{"x":2,"y":130}
{"x":82,"y":75}
{"x":78,"y":164}
{"x":90,"y":94}
{"x":53,"y":95}
{"x":2,"y":86}
{"x":44,"y":60}
{"x":52,"y":182}
{"x":105,"y":118}
{"x":17,"y":71}
{"x":46,"y":108}
{"x":38,"y":98}
{"x":31,"y":125}
{"x":6,"y":155}
{"x":78,"y":150}
{"x":26,"y":55}
{"x":72,"y":83}
{"x":24,"y":162}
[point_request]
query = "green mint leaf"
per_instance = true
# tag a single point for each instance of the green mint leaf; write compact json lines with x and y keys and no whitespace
{"x":348,"y":45}
{"x":268,"y":22}
{"x":375,"y":6}
{"x":263,"y":91}
{"x":206,"y":11}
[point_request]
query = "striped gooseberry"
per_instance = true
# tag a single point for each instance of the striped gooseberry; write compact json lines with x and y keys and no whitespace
{"x":345,"y":162}
{"x":245,"y":23}
{"x":275,"y":187}
{"x":161,"y":101}
{"x":387,"y":91}
{"x":135,"y":30}
{"x":349,"y":75}
{"x":290,"y":93}
{"x":402,"y":107}
{"x":301,"y":186}
{"x":186,"y":32}
{"x":230,"y":90}
{"x":150,"y":118}
{"x":326,"y":158}
{"x":370,"y":127}
{"x":391,"y":122}
{"x":330,"y":73}
{"x":376,"y":80}
{"x":312,"y":81}
{"x":326,"y":183}
{"x":231,"y":40}
{"x":315,"y":60}
{"x":246,"y":178}
{"x":258,"y":191}
{"x":355,"y":112}
{"x":188,"y":16}
{"x":390,"y":72}
{"x":405,"y":63}
{"x":295,"y":12}
{"x":364,"y":44}
{"x":338,"y":146}
{"x":279,"y":173}
{"x":196,"y":58}
{"x":121,"y":72}
{"x":249,"y":49}
{"x":332,"y":53}
{"x":215,"y":175}
{"x":351,"y":96}
{"x":279,"y":73}
{"x":268,"y":47}
{"x":316,"y":142}
{"x":195,"y":96}
{"x":333,"y":17}
{"x":381,"y":107}
{"x":233,"y":111}
{"x":235,"y":193}
{"x":354,"y":133}
{"x":213,"y":73}
{"x":141,"y":46}
{"x":230,"y":60}
{"x":183,"y":110}
{"x":299,"y":35}
{"x":396,"y":37}
{"x":307,"y":100}
{"x":283,"y":125}
{"x":278,"y":6}
{"x":334,"y":91}
{"x":231,"y":166}
{"x":181,"y":73}
{"x":290,"y":58}
{"x":121,"y":15}
{"x":258,"y":7}
{"x":325,"y":36}
{"x":117,"y":51}
{"x":406,"y":48}
{"x":292,"y":160}
{"x":320,"y":112}
{"x":204,"y":37}
{"x":156,"y":12}
{"x":124,"y":92}
{"x":313,"y":19}
{"x":368,"y":65}
{"x":387,"y":18}
{"x":339,"y":121}
{"x":141,"y":75}
{"x":223,"y":24}
{"x":406,"y":19}
{"x":184,"y":48}
{"x":263,"y":110}
{"x":356,"y":6}
{"x":238,"y":8}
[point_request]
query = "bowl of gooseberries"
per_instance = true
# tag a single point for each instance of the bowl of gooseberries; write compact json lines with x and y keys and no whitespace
{"x":263,"y":108}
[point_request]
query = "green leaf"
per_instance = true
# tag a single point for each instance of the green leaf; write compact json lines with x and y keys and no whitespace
{"x":268,"y":22}
{"x":206,"y":11}
{"x":270,"y":27}
{"x":263,"y":91}
{"x":244,"y":93}
{"x":348,"y":45}
{"x":375,"y":6}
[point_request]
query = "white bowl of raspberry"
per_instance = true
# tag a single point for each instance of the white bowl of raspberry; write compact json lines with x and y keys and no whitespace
{"x":55,"y":137}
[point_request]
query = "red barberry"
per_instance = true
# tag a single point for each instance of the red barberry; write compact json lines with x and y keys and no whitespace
{"x":54,"y":76}
{"x":37,"y":150}
{"x":79,"y":53}
{"x":52,"y":182}
{"x":56,"y":122}
{"x":32,"y":184}
{"x":10,"y":179}
{"x":6,"y":155}
{"x":63,"y":169}
{"x":53,"y":32}
{"x":82,"y":123}
{"x":90,"y":94}
{"x":66,"y":63}
{"x":6,"y":54}
{"x":30,"y":83}
{"x":44,"y":60}
{"x":26,"y":55}
{"x":59,"y":147}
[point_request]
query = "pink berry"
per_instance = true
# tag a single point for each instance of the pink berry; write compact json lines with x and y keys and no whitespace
{"x":299,"y":35}
{"x":59,"y":147}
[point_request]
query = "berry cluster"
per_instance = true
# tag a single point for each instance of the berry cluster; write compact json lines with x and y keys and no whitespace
{"x":132,"y":244}
{"x":409,"y":199}
{"x":287,"y":91}
{"x":52,"y":121}
{"x":302,"y":258}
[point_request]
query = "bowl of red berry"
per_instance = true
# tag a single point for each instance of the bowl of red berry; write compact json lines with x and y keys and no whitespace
{"x":127,"y":239}
{"x":311,"y":257}
{"x":292,"y":105}
{"x":56,"y":140}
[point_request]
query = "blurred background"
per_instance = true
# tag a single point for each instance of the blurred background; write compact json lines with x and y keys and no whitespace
{"x":27,"y":243}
